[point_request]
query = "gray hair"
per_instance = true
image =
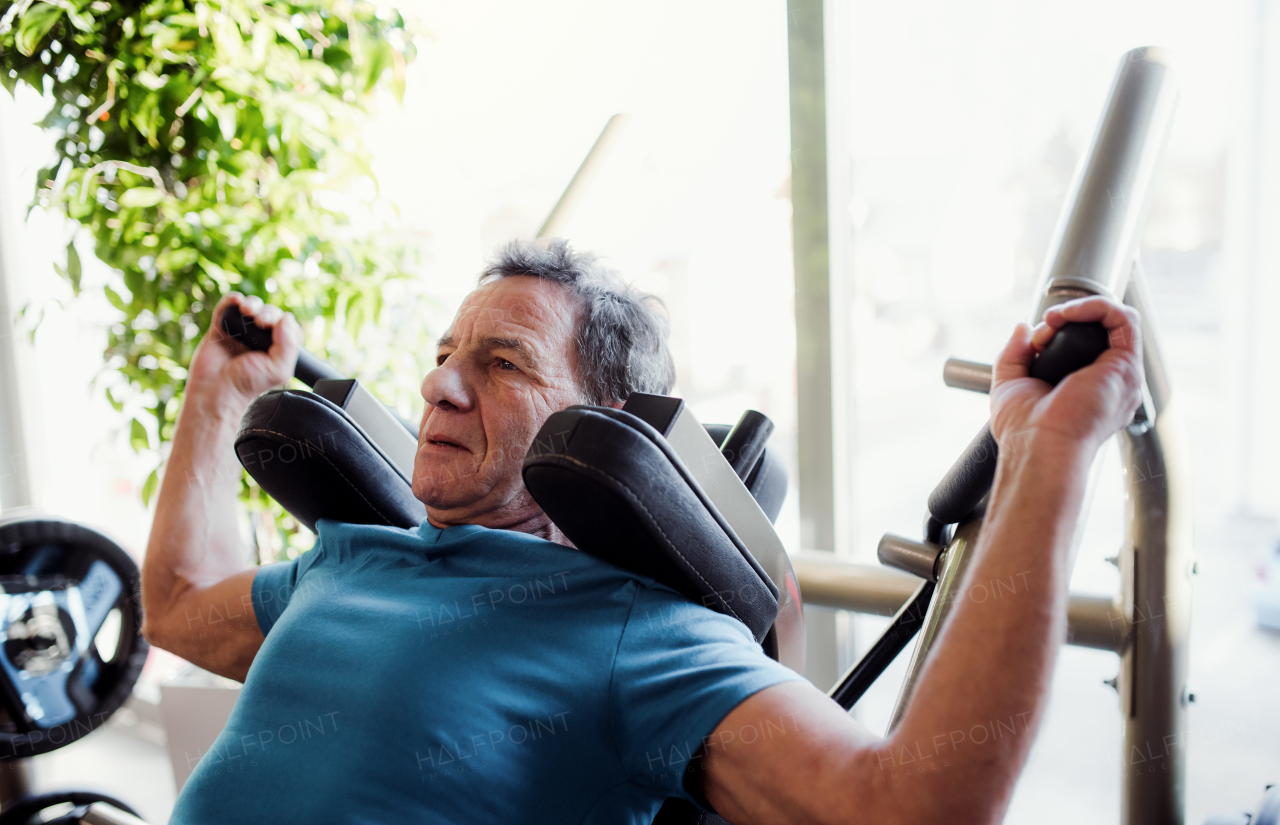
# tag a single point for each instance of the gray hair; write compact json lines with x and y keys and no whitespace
{"x":621,"y":337}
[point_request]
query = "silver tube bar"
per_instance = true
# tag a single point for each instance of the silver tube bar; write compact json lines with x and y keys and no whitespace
{"x":919,"y":558}
{"x":863,"y":588}
{"x":1097,"y":237}
{"x":967,"y":375}
{"x":1092,"y":621}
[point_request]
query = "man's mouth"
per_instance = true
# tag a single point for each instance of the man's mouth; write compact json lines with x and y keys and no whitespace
{"x":443,"y":441}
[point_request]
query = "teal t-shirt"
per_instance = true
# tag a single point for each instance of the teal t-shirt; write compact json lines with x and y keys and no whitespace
{"x":468,"y":675}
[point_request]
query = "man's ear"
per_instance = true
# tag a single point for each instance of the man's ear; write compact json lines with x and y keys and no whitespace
{"x":617,"y":405}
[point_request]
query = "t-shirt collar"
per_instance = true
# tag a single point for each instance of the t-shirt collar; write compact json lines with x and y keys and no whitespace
{"x":434,"y":535}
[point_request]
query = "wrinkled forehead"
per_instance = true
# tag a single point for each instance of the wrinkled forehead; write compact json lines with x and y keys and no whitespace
{"x":530,"y":308}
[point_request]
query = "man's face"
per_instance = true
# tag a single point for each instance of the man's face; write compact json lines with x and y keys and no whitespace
{"x":504,"y":366}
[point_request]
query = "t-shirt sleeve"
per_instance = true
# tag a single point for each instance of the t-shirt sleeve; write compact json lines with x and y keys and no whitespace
{"x":679,"y":670}
{"x":273,"y":584}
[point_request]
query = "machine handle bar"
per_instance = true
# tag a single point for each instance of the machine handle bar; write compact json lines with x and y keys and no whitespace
{"x":240,"y":327}
{"x":969,"y":479}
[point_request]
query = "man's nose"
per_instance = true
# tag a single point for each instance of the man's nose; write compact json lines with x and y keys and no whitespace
{"x":446,"y":388}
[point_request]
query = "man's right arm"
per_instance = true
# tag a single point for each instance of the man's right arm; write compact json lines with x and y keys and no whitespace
{"x":196,"y":590}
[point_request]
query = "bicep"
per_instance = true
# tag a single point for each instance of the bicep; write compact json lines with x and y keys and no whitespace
{"x":213,"y":627}
{"x":790,"y":754}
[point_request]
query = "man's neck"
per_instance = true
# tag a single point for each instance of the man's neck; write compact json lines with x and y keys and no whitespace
{"x":536,"y":524}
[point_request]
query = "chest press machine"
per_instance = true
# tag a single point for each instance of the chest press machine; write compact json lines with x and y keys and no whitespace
{"x":651,"y":490}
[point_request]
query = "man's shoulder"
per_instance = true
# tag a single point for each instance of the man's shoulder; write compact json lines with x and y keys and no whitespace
{"x":660,"y":615}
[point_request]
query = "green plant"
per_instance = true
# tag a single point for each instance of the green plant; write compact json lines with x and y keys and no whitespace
{"x":205,"y":146}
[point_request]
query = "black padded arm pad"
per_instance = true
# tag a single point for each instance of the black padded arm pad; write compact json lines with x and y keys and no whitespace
{"x":313,"y":459}
{"x":606,"y":478}
{"x":616,"y":489}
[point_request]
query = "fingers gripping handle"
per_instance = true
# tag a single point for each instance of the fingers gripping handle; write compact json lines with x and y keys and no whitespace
{"x":969,"y":479}
{"x":242,"y":328}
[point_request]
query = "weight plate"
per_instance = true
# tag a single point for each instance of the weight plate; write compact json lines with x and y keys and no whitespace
{"x":60,"y":584}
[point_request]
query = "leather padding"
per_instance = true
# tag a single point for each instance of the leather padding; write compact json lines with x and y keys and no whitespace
{"x":309,"y":455}
{"x":618,"y":491}
{"x":607,"y":479}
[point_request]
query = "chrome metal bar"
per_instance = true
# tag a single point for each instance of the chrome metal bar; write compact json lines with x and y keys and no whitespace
{"x":919,"y":558}
{"x":1092,"y":621}
{"x":1156,"y":575}
{"x":1097,"y":236}
{"x":967,"y":375}
{"x":826,"y":581}
{"x":1098,"y":622}
{"x":954,"y":564}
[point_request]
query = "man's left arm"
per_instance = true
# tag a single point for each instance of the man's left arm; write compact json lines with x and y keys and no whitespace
{"x":971,"y":721}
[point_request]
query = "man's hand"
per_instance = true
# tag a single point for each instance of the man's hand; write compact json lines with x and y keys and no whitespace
{"x":1089,"y":405}
{"x":972,"y":717}
{"x":224,"y":369}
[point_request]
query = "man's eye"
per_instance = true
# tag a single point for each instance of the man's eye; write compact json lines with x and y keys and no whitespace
{"x":504,"y":364}
{"x":440,"y":359}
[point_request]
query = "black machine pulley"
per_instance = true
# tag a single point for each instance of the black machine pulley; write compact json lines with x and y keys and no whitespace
{"x":70,"y":646}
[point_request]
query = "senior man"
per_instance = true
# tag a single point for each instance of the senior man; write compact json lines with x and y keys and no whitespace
{"x":480,"y":669}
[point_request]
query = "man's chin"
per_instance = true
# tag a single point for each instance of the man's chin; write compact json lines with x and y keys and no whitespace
{"x":441,"y":497}
{"x":445,"y":485}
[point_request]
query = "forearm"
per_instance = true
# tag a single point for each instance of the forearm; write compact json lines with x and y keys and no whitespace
{"x":195,"y":539}
{"x":979,"y":737}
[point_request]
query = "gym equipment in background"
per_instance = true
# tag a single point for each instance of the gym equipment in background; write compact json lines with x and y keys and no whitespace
{"x":71,"y":651}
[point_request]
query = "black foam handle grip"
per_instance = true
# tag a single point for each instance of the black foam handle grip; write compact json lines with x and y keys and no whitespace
{"x":969,"y":479}
{"x":1074,"y":347}
{"x":242,"y":328}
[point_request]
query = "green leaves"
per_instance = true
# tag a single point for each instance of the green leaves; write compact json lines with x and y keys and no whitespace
{"x":34,"y":25}
{"x":74,"y":270}
{"x":138,"y":438}
{"x":140,"y":196}
{"x":149,"y":486}
{"x":204,"y":146}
